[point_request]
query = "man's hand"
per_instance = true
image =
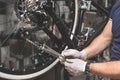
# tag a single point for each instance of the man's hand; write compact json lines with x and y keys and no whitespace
{"x":75,"y":67}
{"x":72,"y":53}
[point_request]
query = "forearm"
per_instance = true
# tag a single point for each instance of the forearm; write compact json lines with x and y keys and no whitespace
{"x":97,"y":46}
{"x":108,"y":69}
{"x":101,"y":42}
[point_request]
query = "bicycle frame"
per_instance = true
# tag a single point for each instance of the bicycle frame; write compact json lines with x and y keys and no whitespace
{"x":63,"y":28}
{"x":101,"y":26}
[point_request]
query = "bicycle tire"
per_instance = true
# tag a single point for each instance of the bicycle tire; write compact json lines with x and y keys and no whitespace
{"x":15,"y":75}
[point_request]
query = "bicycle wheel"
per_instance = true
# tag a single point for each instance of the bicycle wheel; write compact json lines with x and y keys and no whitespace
{"x":19,"y":59}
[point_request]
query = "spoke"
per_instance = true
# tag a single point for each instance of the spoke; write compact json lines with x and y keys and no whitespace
{"x":8,"y":36}
{"x":5,"y":22}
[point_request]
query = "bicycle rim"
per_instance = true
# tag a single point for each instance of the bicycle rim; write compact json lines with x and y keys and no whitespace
{"x":8,"y":71}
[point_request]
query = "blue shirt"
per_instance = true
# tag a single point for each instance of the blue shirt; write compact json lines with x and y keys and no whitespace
{"x":115,"y":16}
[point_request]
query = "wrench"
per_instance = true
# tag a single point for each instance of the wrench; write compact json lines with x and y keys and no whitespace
{"x":47,"y":49}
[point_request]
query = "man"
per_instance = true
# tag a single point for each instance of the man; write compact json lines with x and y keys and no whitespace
{"x":110,"y":35}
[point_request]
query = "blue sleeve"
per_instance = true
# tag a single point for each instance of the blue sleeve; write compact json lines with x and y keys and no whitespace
{"x":116,"y":5}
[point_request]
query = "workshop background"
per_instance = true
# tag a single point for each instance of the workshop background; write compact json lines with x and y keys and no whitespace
{"x":13,"y":56}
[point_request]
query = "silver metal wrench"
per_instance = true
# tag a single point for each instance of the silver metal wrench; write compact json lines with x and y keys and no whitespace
{"x":47,"y":49}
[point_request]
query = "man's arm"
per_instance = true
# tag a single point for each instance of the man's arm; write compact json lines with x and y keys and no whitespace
{"x":108,"y":69}
{"x":101,"y":42}
{"x":76,"y":67}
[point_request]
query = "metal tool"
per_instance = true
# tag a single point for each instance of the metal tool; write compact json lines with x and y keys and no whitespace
{"x":47,"y":49}
{"x":52,"y":52}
